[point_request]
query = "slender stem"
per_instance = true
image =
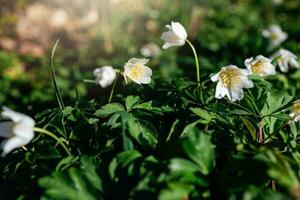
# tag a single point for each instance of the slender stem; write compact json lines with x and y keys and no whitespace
{"x":197,"y":68}
{"x":113,"y":89}
{"x":273,"y":185}
{"x":44,"y":131}
{"x":260,"y":130}
{"x":89,"y":81}
{"x":196,"y":61}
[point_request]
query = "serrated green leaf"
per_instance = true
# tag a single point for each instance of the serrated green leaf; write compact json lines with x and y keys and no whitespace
{"x":131,"y":101}
{"x":109,"y":109}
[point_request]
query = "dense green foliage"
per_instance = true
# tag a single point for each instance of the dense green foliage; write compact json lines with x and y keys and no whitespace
{"x":158,"y":141}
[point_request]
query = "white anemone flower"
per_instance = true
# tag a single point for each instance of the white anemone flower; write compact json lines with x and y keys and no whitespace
{"x":18,"y":131}
{"x":260,"y":65}
{"x":275,"y":34}
{"x":295,"y":114}
{"x":285,"y":60}
{"x":105,"y":76}
{"x":137,"y":71}
{"x":150,"y":50}
{"x":277,"y":2}
{"x":175,"y":36}
{"x":231,"y":81}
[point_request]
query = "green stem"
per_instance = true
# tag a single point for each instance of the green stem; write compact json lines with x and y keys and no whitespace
{"x":57,"y":92}
{"x":113,"y":89}
{"x":40,"y":130}
{"x":89,"y":81}
{"x":197,"y":68}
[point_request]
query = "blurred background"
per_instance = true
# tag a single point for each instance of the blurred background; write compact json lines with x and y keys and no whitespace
{"x":109,"y":32}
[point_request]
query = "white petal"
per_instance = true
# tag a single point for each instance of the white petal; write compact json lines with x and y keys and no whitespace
{"x":136,"y":81}
{"x":169,"y":27}
{"x":12,"y":115}
{"x":143,"y":61}
{"x":12,"y":143}
{"x":294,"y":63}
{"x":246,"y":83}
{"x":215,"y":77}
{"x":97,"y":72}
{"x":245,"y":72}
{"x":179,"y":30}
{"x":231,"y":66}
{"x":125,"y":78}
{"x":220,"y":91}
{"x":105,"y":83}
{"x":236,"y":93}
{"x":248,"y":62}
{"x":168,"y":45}
{"x":6,"y":129}
{"x":132,"y":61}
{"x":147,"y":71}
{"x":266,"y":33}
{"x":170,"y":36}
{"x":145,"y":80}
{"x":269,"y":69}
{"x":282,"y":67}
{"x":16,"y":117}
{"x":262,"y":58}
{"x":297,"y":118}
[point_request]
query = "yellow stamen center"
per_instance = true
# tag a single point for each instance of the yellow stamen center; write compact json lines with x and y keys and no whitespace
{"x":136,"y":71}
{"x":258,"y":67}
{"x":274,"y":36}
{"x":230,"y":77}
{"x":296,"y":108}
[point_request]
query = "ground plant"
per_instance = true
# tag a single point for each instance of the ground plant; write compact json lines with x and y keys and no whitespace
{"x":214,"y":115}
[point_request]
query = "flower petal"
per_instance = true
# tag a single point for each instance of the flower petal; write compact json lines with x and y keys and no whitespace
{"x":236,"y":93}
{"x":147,"y":71}
{"x":168,"y":45}
{"x":220,"y":91}
{"x":145,"y":80}
{"x":16,"y":117}
{"x":215,"y":77}
{"x":179,"y":30}
{"x":12,"y":143}
{"x":170,"y":36}
{"x":6,"y":129}
{"x":294,"y":63}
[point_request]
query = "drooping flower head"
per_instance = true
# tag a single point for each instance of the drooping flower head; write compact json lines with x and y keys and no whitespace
{"x":175,"y":36}
{"x":137,"y":71}
{"x":295,"y":114}
{"x":105,"y":76}
{"x":277,"y":2}
{"x":260,"y":65}
{"x":150,"y":50}
{"x":285,"y":60}
{"x":275,"y":34}
{"x":18,"y":131}
{"x":231,"y":81}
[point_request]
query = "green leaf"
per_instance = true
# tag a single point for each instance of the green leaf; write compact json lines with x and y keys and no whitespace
{"x":198,"y":147}
{"x":109,"y":109}
{"x":131,"y":101}
{"x":202,"y":113}
{"x":74,"y":183}
{"x":175,"y":191}
{"x":275,"y":103}
{"x":66,"y":163}
{"x":122,"y":160}
{"x":250,"y":127}
{"x":142,"y":134}
{"x":56,"y":89}
{"x":88,"y":168}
